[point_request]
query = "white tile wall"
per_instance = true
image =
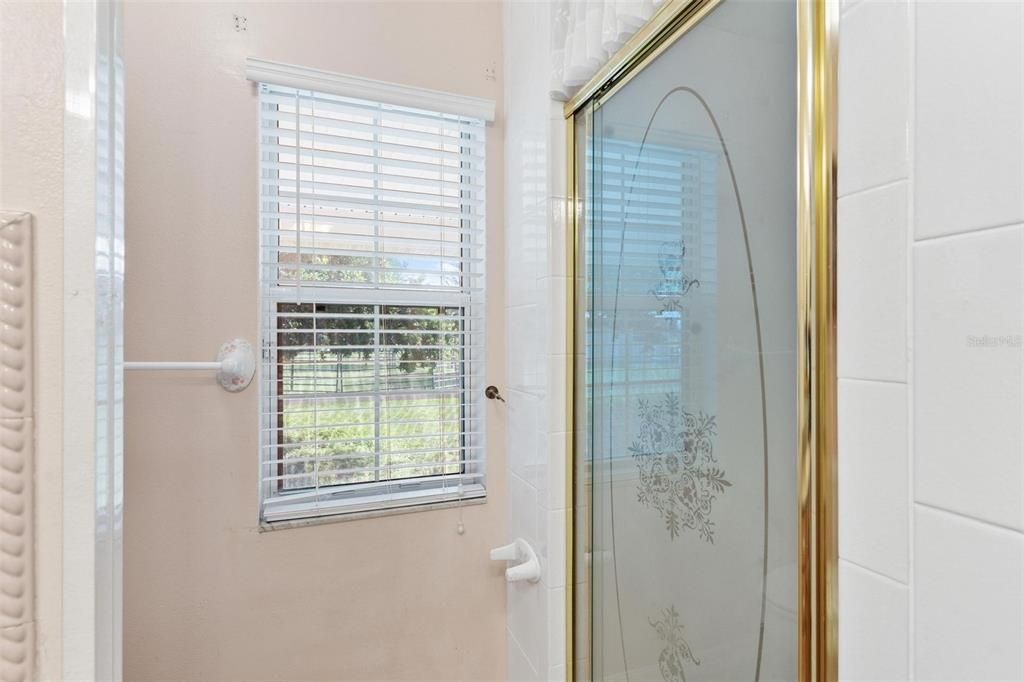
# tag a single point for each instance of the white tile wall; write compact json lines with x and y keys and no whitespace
{"x":969,"y":172}
{"x":873,"y":500}
{"x":873,"y":239}
{"x":968,"y":403}
{"x":535,"y":313}
{"x":931,"y":318}
{"x":969,"y":599}
{"x":874,"y":467}
{"x":519,"y":667}
{"x":875,"y":93}
{"x":873,"y":612}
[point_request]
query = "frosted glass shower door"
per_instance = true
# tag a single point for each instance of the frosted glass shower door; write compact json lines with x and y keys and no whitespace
{"x":687,"y":377}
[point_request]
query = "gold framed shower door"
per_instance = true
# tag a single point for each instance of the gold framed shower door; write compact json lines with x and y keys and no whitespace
{"x":817,"y":24}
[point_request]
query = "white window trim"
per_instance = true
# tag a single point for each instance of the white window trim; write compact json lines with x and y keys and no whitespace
{"x":304,"y":78}
{"x":362,"y":500}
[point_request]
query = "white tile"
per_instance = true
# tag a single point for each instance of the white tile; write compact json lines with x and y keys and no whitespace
{"x":873,"y":476}
{"x":872,"y":296}
{"x":557,"y":392}
{"x":524,"y":349}
{"x":532,"y":258}
{"x":968,"y":599}
{"x":847,"y":4}
{"x":873,"y":626}
{"x":967,"y":375}
{"x":522,"y":257}
{"x":557,"y":674}
{"x":558,"y":311}
{"x":532,"y":141}
{"x":526,"y":441}
{"x":527,"y":620}
{"x":556,"y":626}
{"x":560,"y":241}
{"x":558,"y":175}
{"x":519,"y":667}
{"x":555,"y":554}
{"x":968,"y":168}
{"x":521,"y":454}
{"x":522,"y":509}
{"x":557,"y":470}
{"x":874,"y":77}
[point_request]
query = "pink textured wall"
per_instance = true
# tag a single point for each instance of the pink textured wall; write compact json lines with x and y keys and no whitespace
{"x":208,"y":596}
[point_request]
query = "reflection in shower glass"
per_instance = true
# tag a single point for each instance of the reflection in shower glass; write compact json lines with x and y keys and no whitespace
{"x":687,"y":365}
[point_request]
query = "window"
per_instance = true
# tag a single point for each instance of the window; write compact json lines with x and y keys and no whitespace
{"x":372,"y":273}
{"x":667,"y":192}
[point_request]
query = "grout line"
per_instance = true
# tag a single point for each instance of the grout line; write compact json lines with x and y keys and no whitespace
{"x":970,"y":232}
{"x":849,"y":6}
{"x":875,"y":573}
{"x":903,"y":179}
{"x":992,"y":525}
{"x":911,"y":128}
{"x":522,"y":652}
{"x":875,"y":381}
{"x":516,"y":306}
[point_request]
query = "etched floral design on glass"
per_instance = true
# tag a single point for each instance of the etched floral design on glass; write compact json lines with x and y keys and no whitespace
{"x":676,"y":651}
{"x":679,"y":474}
{"x":673,"y":284}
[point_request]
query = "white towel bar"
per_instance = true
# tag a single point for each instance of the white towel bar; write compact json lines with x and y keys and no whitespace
{"x":235,"y":365}
{"x":173,"y":365}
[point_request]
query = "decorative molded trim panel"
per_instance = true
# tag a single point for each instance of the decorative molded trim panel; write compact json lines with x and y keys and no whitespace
{"x":17,"y":620}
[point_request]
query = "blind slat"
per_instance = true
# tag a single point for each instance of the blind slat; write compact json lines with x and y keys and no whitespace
{"x":315,"y":140}
{"x":267,"y":167}
{"x":458,"y":136}
{"x":444,"y":168}
{"x":362,"y":223}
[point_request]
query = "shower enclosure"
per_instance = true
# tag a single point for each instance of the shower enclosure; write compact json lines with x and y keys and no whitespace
{"x":703,"y":398}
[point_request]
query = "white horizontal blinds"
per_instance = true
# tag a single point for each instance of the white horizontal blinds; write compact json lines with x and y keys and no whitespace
{"x":667,"y":196}
{"x":655,"y":257}
{"x":372,"y":266}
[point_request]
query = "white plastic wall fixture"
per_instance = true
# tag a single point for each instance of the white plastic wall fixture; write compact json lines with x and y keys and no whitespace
{"x":520,"y":550}
{"x":235,"y":365}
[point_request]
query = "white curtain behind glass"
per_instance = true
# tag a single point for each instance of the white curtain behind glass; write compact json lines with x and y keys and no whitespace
{"x":585,"y":33}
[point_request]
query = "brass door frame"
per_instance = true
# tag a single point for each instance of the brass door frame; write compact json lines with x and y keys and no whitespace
{"x":817,"y":28}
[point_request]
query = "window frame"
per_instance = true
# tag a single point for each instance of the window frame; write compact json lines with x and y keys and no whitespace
{"x":359,"y":499}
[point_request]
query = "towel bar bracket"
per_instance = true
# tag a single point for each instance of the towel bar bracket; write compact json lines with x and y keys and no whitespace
{"x":235,"y":365}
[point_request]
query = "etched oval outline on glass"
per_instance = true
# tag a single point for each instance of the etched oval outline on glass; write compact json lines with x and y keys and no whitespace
{"x":760,"y":360}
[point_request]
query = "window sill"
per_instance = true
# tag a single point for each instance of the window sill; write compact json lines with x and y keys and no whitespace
{"x":308,"y":514}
